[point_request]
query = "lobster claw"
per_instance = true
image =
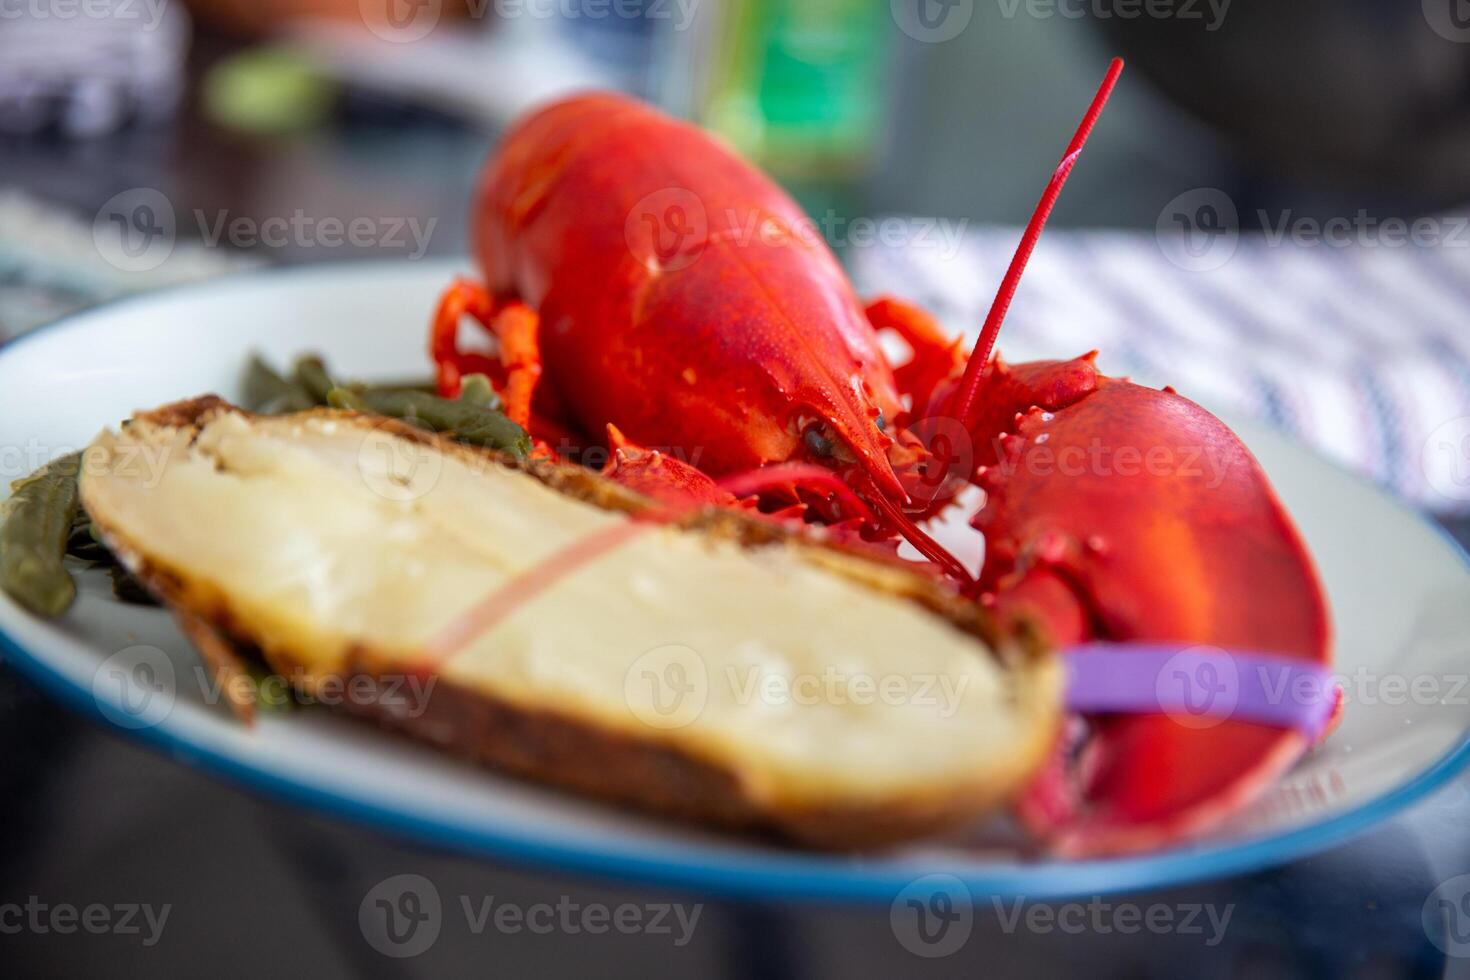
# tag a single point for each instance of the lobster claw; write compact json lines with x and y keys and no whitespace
{"x":1133,"y":515}
{"x":1128,"y":784}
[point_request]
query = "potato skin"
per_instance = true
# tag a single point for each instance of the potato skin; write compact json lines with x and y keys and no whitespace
{"x":655,"y":775}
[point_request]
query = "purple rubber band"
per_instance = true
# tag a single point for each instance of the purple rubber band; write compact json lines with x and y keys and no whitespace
{"x":1200,"y":686}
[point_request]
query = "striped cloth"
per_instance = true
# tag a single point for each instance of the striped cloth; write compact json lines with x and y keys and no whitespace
{"x":51,"y":265}
{"x":90,"y":67}
{"x":1362,"y":352}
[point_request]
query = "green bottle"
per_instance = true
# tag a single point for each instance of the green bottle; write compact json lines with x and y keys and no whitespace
{"x":798,"y":85}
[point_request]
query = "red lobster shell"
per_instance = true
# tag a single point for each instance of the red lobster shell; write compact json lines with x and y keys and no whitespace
{"x":642,"y":280}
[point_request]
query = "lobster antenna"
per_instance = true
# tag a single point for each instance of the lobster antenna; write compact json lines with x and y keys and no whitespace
{"x":967,"y":407}
{"x":780,"y":474}
{"x":923,"y":543}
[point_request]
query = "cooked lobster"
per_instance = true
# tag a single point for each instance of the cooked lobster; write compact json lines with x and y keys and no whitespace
{"x":645,"y":287}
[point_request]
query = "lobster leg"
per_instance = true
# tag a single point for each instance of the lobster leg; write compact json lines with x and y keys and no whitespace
{"x":516,"y":327}
{"x":668,"y":480}
{"x":936,"y":357}
{"x":515,"y":372}
{"x":462,"y":298}
{"x":678,"y":485}
{"x":674,"y":482}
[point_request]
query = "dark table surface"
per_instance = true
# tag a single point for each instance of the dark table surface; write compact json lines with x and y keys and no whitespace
{"x":257,"y":888}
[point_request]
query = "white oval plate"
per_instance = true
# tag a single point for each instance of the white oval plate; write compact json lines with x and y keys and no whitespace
{"x":1398,"y":590}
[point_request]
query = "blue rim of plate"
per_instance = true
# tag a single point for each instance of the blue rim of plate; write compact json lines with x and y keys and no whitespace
{"x":794,"y":876}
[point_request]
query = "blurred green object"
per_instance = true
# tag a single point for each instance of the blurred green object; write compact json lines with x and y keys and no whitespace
{"x":799,"y":85}
{"x":267,"y":89}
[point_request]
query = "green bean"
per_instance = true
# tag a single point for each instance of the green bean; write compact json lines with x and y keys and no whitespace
{"x":309,"y":384}
{"x":268,"y":393}
{"x":272,"y":691}
{"x":476,"y":390}
{"x":456,"y":419}
{"x":311,"y":374}
{"x":38,"y":522}
{"x":69,"y":465}
{"x":350,"y":400}
{"x":424,"y":385}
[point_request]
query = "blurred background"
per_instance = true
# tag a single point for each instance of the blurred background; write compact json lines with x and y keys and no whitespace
{"x":1271,"y":213}
{"x":956,"y":110}
{"x":931,"y":107}
{"x":1270,"y":216}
